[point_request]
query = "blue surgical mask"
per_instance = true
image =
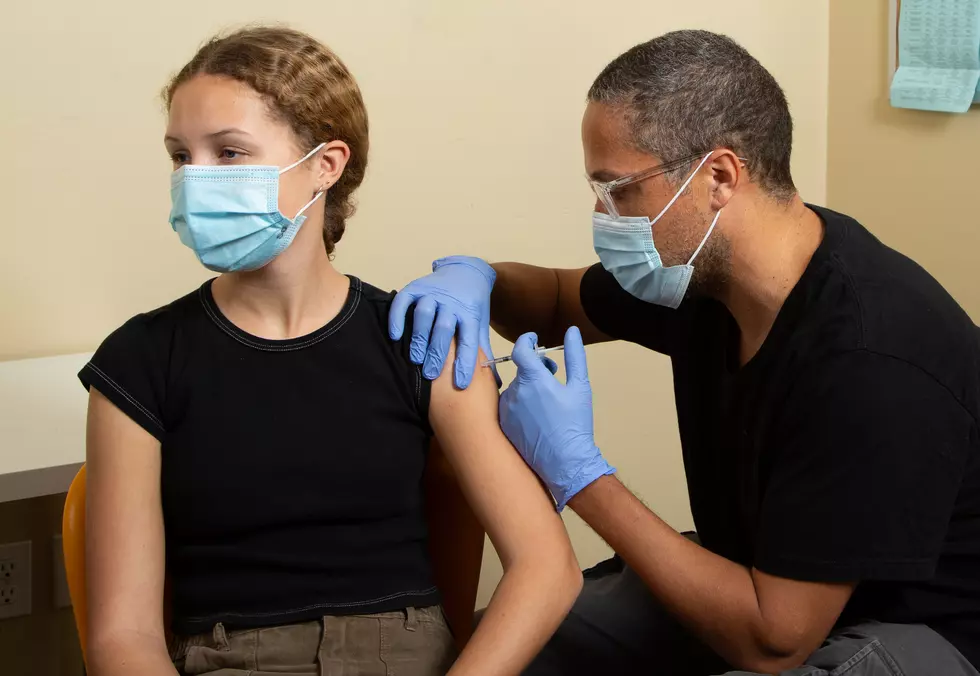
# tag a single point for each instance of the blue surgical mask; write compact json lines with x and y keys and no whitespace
{"x":625,"y":248}
{"x":229,"y":215}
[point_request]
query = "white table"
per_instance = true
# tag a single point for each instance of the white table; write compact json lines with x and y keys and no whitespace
{"x":42,"y":425}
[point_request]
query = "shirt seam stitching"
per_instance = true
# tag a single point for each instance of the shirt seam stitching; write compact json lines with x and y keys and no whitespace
{"x":852,"y":287}
{"x":130,"y":398}
{"x":314,"y":606}
{"x":810,"y":559}
{"x":928,"y":374}
{"x":341,"y":321}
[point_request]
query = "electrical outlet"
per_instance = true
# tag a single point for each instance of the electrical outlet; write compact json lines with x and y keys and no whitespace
{"x":15,"y":579}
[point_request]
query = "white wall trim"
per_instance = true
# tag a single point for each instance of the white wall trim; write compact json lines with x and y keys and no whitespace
{"x":42,"y":425}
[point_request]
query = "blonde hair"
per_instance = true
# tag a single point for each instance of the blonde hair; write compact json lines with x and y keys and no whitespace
{"x":306,"y":86}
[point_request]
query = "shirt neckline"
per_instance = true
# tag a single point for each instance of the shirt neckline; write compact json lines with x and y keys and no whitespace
{"x":354,"y":294}
{"x":834,"y":231}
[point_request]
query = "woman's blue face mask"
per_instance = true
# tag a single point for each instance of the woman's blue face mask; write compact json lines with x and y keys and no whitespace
{"x":229,"y":215}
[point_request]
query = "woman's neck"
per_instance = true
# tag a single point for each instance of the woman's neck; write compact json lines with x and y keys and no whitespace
{"x":294,"y":295}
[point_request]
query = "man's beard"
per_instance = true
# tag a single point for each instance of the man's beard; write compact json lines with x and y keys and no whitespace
{"x":712,"y":268}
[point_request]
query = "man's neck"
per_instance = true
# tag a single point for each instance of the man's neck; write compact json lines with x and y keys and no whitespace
{"x":771,"y":248}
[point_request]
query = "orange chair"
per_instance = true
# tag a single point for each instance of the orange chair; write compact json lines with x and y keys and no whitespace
{"x":73,"y":542}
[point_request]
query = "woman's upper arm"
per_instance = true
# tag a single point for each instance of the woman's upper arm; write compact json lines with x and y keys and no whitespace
{"x":124,"y":537}
{"x":506,"y":496}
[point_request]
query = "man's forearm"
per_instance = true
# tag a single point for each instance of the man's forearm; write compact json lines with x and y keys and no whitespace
{"x":713,"y":597}
{"x":525,"y":298}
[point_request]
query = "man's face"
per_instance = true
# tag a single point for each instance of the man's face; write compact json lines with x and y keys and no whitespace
{"x":610,"y":154}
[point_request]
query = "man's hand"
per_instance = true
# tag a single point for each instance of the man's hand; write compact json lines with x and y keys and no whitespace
{"x":550,"y":424}
{"x":457,"y":293}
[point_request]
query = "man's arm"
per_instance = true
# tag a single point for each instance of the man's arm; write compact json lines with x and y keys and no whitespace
{"x":757,"y":622}
{"x":753,"y":620}
{"x":821,"y":526}
{"x":545,"y":301}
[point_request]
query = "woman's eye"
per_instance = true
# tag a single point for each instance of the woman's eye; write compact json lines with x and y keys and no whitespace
{"x":229,"y":154}
{"x":179,"y":158}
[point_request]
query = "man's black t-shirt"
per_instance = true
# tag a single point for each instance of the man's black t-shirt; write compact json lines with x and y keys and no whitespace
{"x":291,"y":470}
{"x":848,"y":448}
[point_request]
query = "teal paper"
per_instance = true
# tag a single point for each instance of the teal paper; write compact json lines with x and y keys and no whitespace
{"x":976,"y":97}
{"x":938,"y":55}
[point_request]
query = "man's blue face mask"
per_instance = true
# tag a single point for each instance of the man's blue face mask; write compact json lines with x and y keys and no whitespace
{"x":626,"y":249}
{"x":229,"y":215}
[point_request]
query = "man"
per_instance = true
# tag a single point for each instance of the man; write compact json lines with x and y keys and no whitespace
{"x":827,"y":392}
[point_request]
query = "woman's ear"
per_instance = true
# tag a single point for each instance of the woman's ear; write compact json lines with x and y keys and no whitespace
{"x":332,"y":159}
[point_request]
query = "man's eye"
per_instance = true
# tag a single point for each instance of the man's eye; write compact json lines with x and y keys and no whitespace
{"x":625,"y":191}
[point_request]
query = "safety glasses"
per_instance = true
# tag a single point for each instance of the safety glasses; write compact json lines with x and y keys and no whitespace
{"x":604,"y":189}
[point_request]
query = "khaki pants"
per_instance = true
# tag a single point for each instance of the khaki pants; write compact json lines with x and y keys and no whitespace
{"x":410,"y":642}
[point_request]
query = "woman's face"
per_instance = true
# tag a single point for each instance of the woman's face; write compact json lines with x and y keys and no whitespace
{"x":217,"y":120}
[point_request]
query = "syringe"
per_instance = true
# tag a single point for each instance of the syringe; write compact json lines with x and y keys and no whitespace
{"x":538,"y":351}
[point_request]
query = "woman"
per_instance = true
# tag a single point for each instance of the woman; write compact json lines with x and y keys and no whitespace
{"x":267,"y":430}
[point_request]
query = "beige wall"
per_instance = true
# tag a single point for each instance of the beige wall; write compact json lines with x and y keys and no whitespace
{"x":907,"y":175}
{"x":475,"y":110}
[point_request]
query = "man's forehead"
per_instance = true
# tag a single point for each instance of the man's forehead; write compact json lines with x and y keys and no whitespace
{"x":606,"y":124}
{"x":608,"y":145}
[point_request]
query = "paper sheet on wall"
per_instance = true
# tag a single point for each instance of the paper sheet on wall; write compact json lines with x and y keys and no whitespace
{"x":938,"y":55}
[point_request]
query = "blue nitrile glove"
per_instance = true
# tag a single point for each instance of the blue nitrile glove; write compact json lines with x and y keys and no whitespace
{"x":550,"y":424}
{"x":456,"y":293}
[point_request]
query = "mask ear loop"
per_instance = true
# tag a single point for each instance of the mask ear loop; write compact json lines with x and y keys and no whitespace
{"x":296,"y":164}
{"x":683,"y":188}
{"x":302,"y":159}
{"x":309,"y":204}
{"x":706,"y":236}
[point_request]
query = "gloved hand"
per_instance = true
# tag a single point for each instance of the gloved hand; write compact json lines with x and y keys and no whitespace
{"x":550,"y":424}
{"x":456,"y":293}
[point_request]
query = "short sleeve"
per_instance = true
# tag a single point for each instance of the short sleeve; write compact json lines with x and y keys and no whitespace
{"x":863,"y":473}
{"x":622,"y":316}
{"x":129,"y":370}
{"x":421,"y":386}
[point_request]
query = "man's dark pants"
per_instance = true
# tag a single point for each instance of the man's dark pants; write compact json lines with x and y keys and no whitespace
{"x":617,"y":627}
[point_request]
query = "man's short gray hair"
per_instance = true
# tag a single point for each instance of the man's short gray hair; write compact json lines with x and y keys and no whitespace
{"x":691,"y":91}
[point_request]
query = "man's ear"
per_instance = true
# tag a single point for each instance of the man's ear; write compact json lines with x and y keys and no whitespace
{"x":726,"y":171}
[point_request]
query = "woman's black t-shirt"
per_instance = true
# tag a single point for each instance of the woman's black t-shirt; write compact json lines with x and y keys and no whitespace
{"x":291,"y":469}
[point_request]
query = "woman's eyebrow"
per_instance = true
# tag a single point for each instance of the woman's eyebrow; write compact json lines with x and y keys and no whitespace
{"x":222,"y":132}
{"x":229,"y":131}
